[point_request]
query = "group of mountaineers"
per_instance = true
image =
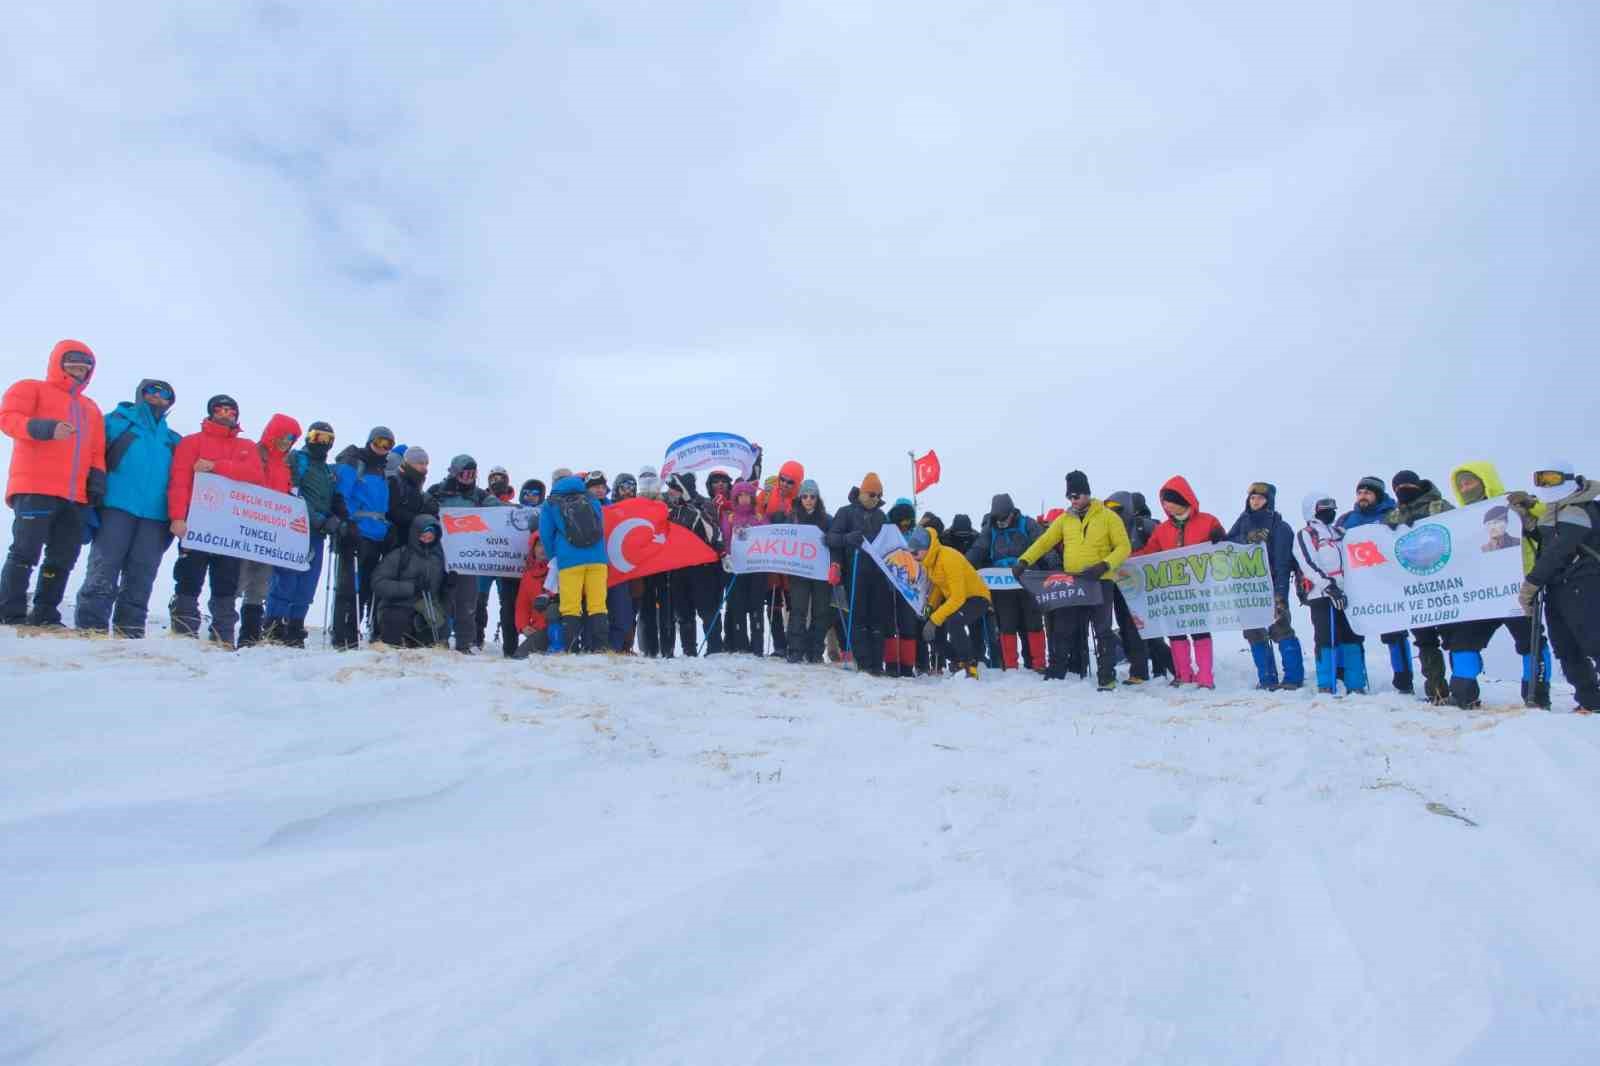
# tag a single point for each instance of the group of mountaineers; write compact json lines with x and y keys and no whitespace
{"x":122,"y":483}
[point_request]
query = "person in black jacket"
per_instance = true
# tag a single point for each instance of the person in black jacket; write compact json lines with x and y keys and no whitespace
{"x":871,"y":597}
{"x":695,"y":589}
{"x":407,"y":500}
{"x":460,"y":489}
{"x":406,"y":588}
{"x":1006,"y":534}
{"x":1567,"y":568}
{"x":810,"y":601}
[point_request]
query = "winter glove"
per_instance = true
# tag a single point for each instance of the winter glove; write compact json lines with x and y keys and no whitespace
{"x":929,"y":632}
{"x":1522,"y":503}
{"x":727,"y":564}
{"x":541,"y":603}
{"x":1218,"y":536}
{"x":855,"y":538}
{"x":1018,"y":570}
{"x":1300,"y":593}
{"x":45,"y":428}
{"x":1095,"y":572}
{"x":96,"y":489}
{"x":1336,"y":596}
{"x":1526,"y":596}
{"x":834,"y":574}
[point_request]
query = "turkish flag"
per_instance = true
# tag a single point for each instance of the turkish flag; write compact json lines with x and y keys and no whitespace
{"x":467,"y":523}
{"x":641,"y":540}
{"x":927,"y":472}
{"x":1364,"y":553}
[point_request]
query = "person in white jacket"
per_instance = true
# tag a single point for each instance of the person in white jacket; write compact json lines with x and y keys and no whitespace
{"x":1320,"y":552}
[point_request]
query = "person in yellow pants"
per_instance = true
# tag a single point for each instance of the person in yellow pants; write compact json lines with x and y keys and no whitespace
{"x":570,"y":523}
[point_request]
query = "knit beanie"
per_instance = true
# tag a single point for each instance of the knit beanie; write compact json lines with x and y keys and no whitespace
{"x":1174,"y":496}
{"x":462,"y":462}
{"x":808,"y":487}
{"x":872,"y":483}
{"x":416,"y":455}
{"x":380,"y":433}
{"x":1077,"y":483}
{"x":918,"y":540}
{"x":1373,"y":485}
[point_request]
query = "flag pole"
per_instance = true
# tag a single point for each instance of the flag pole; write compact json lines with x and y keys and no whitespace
{"x":913,"y":457}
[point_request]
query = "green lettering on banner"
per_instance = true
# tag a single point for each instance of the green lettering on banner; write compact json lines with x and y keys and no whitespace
{"x":1252,"y":563}
{"x":1165,"y":575}
{"x":1199,"y":564}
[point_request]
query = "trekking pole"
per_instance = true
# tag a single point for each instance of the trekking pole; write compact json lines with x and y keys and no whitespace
{"x":849,"y":631}
{"x":433,"y":627}
{"x":327,"y":598}
{"x":716,"y":619}
{"x":1536,"y":638}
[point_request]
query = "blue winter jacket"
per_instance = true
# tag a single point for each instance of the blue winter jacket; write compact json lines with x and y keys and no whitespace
{"x":141,"y":442}
{"x":360,"y":480}
{"x":1357,"y":517}
{"x":1267,"y":526}
{"x":553,"y":532}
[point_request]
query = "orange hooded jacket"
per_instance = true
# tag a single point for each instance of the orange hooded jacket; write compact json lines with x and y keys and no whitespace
{"x":53,"y":467}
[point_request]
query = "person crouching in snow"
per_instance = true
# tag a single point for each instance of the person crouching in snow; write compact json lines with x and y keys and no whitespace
{"x":1186,"y":525}
{"x":1260,"y":523}
{"x":406,"y":588}
{"x":1320,"y":559}
{"x":1093,"y":544}
{"x":957,"y":600}
{"x":533,"y":602}
{"x":746,"y":608}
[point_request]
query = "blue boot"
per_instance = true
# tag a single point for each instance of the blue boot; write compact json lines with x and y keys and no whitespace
{"x":1465,"y":666}
{"x":1294,"y":663}
{"x":558,"y":636}
{"x":1400,"y":661}
{"x":1353,"y":657}
{"x":1327,"y":670}
{"x":1536,"y":693}
{"x":1266,"y":666}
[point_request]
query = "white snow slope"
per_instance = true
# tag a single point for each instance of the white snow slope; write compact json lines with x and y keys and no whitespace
{"x":306,"y":858}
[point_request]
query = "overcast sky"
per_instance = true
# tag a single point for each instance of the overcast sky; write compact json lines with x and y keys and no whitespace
{"x":1285,"y":241}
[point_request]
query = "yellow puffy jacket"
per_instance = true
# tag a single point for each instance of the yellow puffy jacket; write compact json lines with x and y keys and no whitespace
{"x":1492,"y":486}
{"x":1098,"y":537}
{"x":954,"y":580}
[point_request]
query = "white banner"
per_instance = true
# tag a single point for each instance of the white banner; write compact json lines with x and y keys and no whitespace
{"x":703,"y":451}
{"x":907,"y":576}
{"x":248,"y":522}
{"x":998,"y":578}
{"x":795,"y":551}
{"x":487,"y":541}
{"x":1459,"y":566}
{"x":1205,"y":588}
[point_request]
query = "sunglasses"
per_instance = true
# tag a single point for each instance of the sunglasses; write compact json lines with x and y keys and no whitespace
{"x":159,"y":390}
{"x":1077,"y":495}
{"x":319,"y":436}
{"x":808,"y":495}
{"x":1549,"y":479}
{"x":786,"y":481}
{"x":384,"y":443}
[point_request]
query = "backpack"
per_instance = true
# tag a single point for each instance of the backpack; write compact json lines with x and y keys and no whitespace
{"x":579,"y":524}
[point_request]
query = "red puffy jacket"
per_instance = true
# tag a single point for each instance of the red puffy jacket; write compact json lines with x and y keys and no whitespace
{"x":1198,"y":528}
{"x":234,"y":457}
{"x":531,"y":588}
{"x":54,"y":467}
{"x":276,"y":463}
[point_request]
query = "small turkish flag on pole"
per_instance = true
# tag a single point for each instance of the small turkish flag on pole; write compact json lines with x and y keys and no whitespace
{"x":925,"y":472}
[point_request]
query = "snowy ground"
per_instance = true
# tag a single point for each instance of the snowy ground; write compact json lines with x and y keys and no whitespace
{"x":308,"y":858}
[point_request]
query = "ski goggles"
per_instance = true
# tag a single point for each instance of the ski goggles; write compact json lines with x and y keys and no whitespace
{"x":789,"y":481}
{"x":163,"y":392}
{"x":1549,"y":479}
{"x":319,"y":436}
{"x":381,"y":443}
{"x":77,"y":358}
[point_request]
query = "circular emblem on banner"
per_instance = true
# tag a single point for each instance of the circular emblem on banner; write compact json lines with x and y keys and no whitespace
{"x":1425,"y":550}
{"x":210,"y":499}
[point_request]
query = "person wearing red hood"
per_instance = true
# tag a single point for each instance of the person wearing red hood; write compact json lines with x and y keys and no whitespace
{"x":58,"y":468}
{"x":255,"y":578}
{"x":216,"y":449}
{"x":1186,"y":525}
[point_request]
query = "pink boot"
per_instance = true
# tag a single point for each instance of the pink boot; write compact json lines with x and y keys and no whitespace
{"x":1202,"y":657}
{"x":1182,"y":670}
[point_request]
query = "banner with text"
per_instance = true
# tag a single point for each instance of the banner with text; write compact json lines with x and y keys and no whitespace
{"x":1459,"y":566}
{"x":998,"y":578}
{"x":1206,"y":588}
{"x":910,"y":580}
{"x":703,"y":451}
{"x":1052,"y":590}
{"x":248,"y":522}
{"x":487,"y":541}
{"x":795,"y":551}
